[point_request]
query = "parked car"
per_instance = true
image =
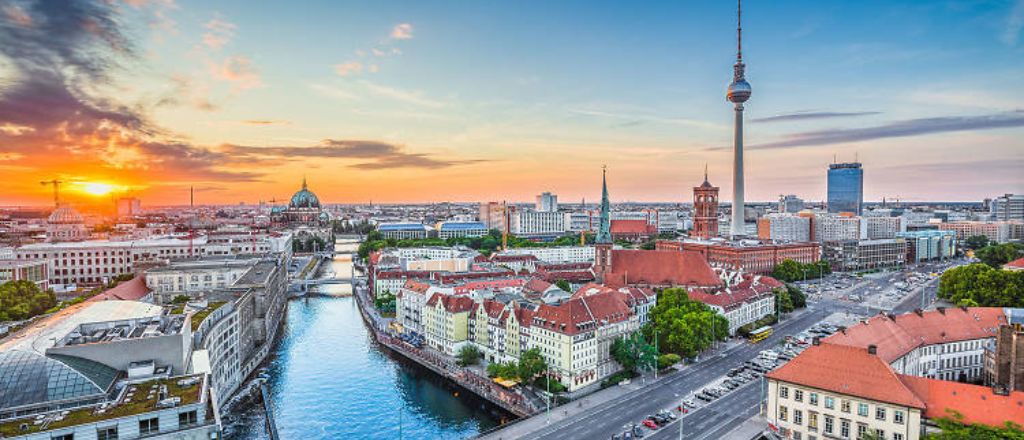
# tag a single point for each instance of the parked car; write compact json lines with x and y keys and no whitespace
{"x":650,"y":424}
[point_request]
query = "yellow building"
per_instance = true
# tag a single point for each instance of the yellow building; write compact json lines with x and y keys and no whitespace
{"x":446,"y":322}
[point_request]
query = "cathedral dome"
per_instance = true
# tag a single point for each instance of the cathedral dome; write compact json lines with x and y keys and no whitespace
{"x":65,"y":215}
{"x":304,"y":198}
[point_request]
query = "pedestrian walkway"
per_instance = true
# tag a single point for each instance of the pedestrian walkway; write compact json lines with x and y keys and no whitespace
{"x":749,"y":429}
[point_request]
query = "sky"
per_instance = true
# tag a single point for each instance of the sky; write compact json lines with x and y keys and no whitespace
{"x":394,"y":101}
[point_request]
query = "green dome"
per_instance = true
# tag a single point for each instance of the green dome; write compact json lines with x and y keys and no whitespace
{"x":304,"y":198}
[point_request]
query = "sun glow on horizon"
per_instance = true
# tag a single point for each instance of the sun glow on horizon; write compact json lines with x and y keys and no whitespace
{"x":96,"y":188}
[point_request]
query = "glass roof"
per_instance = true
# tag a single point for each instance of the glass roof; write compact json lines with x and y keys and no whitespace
{"x":29,"y":379}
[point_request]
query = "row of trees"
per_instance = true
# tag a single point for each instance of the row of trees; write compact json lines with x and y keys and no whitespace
{"x":982,"y":285}
{"x":996,"y":255}
{"x":530,"y":364}
{"x":362,"y":227}
{"x":789,"y":298}
{"x":953,"y":428}
{"x":790,"y":270}
{"x":485,"y":244}
{"x":23,"y":299}
{"x":684,"y":326}
{"x":311,"y":243}
{"x":385,"y":302}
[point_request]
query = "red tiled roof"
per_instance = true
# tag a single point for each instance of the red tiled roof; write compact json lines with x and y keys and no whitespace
{"x":567,"y":275}
{"x":536,"y":285}
{"x":977,"y":404}
{"x":452,"y":303}
{"x":1015,"y":264}
{"x":660,"y":268}
{"x":898,"y":336}
{"x":131,"y":290}
{"x":631,"y":227}
{"x":752,"y":288}
{"x":500,"y":258}
{"x":582,"y":314}
{"x":847,"y":370}
{"x":416,"y":286}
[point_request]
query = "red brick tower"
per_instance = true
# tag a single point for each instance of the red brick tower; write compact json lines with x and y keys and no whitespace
{"x":705,"y":209}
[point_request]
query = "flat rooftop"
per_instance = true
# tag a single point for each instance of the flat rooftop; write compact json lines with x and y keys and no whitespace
{"x":259,"y":274}
{"x":125,"y":329}
{"x":43,"y":335}
{"x":204,"y":263}
{"x":147,"y":242}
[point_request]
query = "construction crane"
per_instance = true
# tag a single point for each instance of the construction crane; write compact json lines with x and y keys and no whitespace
{"x":56,"y":189}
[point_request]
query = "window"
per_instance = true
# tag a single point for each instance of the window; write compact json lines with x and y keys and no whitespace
{"x":149,"y":426}
{"x":70,"y":436}
{"x":846,"y":406}
{"x":830,"y":403}
{"x":897,"y":416}
{"x":813,"y":399}
{"x":782,"y":413}
{"x":862,"y":409}
{"x":829,"y":424}
{"x":109,"y":433}
{"x":880,"y":433}
{"x":812,"y":421}
{"x":844,"y":428}
{"x":798,"y":395}
{"x":897,"y":436}
{"x":798,"y":417}
{"x":880,"y":414}
{"x":861,"y":430}
{"x":187,"y":418}
{"x":784,"y":392}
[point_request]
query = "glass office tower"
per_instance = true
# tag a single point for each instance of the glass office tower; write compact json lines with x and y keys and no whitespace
{"x":845,"y":188}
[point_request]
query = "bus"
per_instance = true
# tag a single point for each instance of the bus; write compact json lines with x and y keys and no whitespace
{"x":760,"y":334}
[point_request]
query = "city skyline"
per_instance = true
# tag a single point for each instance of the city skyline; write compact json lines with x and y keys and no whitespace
{"x":408,"y":103}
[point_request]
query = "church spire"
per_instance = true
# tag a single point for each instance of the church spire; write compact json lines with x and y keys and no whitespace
{"x":304,"y":181}
{"x":604,"y":235}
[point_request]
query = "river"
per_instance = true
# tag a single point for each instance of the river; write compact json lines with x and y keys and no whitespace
{"x":330,"y":380}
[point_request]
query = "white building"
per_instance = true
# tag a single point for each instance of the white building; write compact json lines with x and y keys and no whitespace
{"x":877,"y":227}
{"x":547,"y":202}
{"x":1008,"y":207}
{"x":448,"y":230}
{"x":784,"y":227}
{"x":835,"y":227}
{"x":401,"y":231}
{"x":578,"y":221}
{"x":745,"y":299}
{"x":192,"y":277}
{"x":556,"y":254}
{"x":527,"y":223}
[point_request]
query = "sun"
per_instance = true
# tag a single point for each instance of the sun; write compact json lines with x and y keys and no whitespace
{"x":97,"y":188}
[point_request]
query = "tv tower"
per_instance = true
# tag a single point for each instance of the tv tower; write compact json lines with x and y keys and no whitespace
{"x":738,"y":93}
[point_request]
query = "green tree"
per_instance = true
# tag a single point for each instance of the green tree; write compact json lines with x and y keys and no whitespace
{"x":976,"y":242}
{"x":982,"y":285}
{"x":564,"y":285}
{"x":684,"y":326}
{"x":668,"y":360}
{"x":797,"y":296}
{"x":953,"y":428}
{"x":23,"y":299}
{"x":468,"y":355}
{"x":783,"y":302}
{"x":531,"y":363}
{"x":180,"y":299}
{"x":505,"y":370}
{"x":996,"y":255}
{"x":634,"y":353}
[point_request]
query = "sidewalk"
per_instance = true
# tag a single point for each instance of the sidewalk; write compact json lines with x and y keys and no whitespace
{"x":747,"y":430}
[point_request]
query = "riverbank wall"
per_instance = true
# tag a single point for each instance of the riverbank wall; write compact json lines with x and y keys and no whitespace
{"x":511,"y":401}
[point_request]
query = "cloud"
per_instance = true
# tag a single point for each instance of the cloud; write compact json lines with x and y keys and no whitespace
{"x":797,"y":116}
{"x":218,"y":33}
{"x":17,"y":16}
{"x":348,"y":68}
{"x":376,"y":154}
{"x":239,"y":71}
{"x":407,"y":96}
{"x":1014,"y":23}
{"x":264,"y":122}
{"x":402,"y":31}
{"x":638,"y":118}
{"x":907,"y":128}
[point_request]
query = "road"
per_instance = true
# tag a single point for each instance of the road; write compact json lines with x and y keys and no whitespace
{"x":632,"y":408}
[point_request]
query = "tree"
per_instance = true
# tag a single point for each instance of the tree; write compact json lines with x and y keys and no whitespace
{"x":180,"y":299}
{"x":23,"y":299}
{"x":531,"y":363}
{"x":953,"y":428}
{"x":506,"y":370}
{"x":684,"y":326}
{"x":982,"y":285}
{"x":783,"y":302}
{"x":564,"y":285}
{"x":468,"y":355}
{"x":976,"y":242}
{"x":634,"y":353}
{"x":668,"y":360}
{"x":797,"y":296}
{"x":788,"y":271}
{"x":999,"y":254}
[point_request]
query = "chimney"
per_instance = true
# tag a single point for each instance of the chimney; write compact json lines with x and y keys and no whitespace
{"x":816,"y":341}
{"x":964,"y":308}
{"x":941,"y":310}
{"x":919,"y":312}
{"x":842,"y":329}
{"x":873,"y":349}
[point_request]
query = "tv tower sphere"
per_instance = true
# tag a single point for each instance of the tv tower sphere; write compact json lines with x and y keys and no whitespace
{"x":739,"y":91}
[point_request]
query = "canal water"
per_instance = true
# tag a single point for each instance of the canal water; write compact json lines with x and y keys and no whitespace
{"x":330,"y":380}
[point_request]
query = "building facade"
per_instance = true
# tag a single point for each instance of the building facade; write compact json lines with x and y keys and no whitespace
{"x":857,"y":255}
{"x":836,"y":227}
{"x":790,"y":204}
{"x":929,"y":245}
{"x":784,"y":228}
{"x":1008,"y":207}
{"x":547,"y":202}
{"x":529,"y":223}
{"x":705,"y":210}
{"x":845,"y":188}
{"x":747,"y":256}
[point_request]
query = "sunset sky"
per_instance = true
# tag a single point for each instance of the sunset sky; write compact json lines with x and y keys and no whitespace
{"x":425,"y":101}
